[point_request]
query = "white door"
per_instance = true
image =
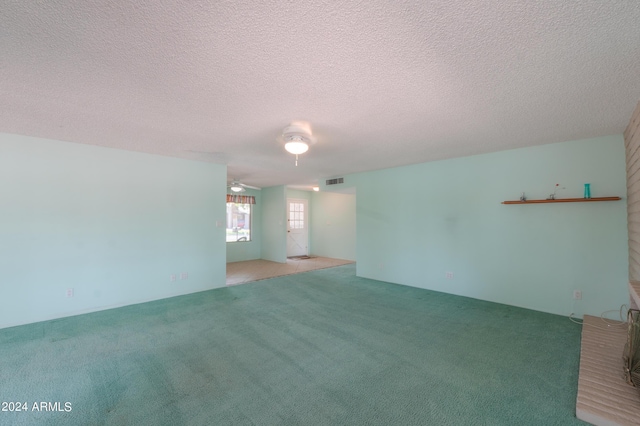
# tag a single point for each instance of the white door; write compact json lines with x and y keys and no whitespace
{"x":297,"y":227}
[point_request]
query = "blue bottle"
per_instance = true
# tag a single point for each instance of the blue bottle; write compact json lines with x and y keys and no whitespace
{"x":587,"y":190}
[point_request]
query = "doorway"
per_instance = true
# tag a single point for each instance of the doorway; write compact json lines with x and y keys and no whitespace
{"x":297,"y":227}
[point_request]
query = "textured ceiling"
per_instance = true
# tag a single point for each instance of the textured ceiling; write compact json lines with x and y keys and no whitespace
{"x":383,"y":83}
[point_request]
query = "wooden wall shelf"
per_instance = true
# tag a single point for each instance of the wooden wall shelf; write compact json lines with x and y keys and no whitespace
{"x":563,"y":200}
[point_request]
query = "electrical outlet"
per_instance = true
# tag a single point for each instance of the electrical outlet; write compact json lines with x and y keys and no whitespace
{"x":184,"y":275}
{"x":69,"y":292}
{"x":577,"y":295}
{"x":448,"y":275}
{"x":173,"y":277}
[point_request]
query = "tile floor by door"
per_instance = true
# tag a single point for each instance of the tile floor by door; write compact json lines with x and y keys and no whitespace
{"x":254,"y":270}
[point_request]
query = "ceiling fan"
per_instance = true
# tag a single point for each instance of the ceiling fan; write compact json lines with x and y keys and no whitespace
{"x":237,"y":186}
{"x":297,"y":137}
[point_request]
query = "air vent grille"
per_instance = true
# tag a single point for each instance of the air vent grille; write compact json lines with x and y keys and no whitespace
{"x":335,"y":181}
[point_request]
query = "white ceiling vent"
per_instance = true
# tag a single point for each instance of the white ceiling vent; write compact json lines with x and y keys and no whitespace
{"x":335,"y":181}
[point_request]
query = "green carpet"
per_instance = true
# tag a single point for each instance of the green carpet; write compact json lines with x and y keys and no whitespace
{"x":319,"y":348}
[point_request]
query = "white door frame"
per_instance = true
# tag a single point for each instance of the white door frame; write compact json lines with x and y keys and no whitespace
{"x":299,"y":246}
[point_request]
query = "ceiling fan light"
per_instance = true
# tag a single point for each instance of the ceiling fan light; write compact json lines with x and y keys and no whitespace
{"x":236,"y":188}
{"x":296,"y":147}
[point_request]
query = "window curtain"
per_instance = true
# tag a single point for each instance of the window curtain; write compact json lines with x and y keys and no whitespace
{"x":241,"y":199}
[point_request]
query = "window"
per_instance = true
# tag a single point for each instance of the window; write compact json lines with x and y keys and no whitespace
{"x":238,"y":222}
{"x":296,"y":215}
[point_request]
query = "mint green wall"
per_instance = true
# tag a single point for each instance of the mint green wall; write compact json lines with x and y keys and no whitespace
{"x":274,"y":243}
{"x":249,"y":250}
{"x":333,"y":225}
{"x":418,"y":222}
{"x":296,"y":193}
{"x":113,"y":225}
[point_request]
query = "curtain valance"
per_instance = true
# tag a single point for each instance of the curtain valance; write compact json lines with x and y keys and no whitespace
{"x":241,"y":199}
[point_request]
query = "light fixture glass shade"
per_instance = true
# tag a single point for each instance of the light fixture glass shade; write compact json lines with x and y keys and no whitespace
{"x":316,"y":188}
{"x":236,"y":188}
{"x":296,"y":147}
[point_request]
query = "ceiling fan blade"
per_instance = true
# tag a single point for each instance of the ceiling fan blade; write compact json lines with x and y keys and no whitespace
{"x":251,"y":187}
{"x":236,"y":182}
